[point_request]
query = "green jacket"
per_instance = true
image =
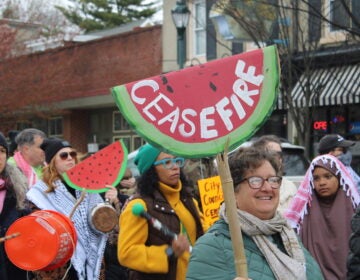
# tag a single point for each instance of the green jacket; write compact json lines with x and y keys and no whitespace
{"x":212,"y":258}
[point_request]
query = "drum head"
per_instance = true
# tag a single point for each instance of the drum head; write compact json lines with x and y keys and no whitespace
{"x":104,"y":218}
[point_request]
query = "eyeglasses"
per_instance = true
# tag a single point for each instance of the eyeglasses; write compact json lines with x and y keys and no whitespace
{"x":256,"y":182}
{"x":65,"y":155}
{"x":169,"y":163}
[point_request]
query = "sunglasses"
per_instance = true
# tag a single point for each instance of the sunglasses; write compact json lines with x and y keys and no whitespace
{"x":65,"y":155}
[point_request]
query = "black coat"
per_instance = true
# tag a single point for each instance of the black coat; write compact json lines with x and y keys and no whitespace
{"x":353,"y":262}
{"x":10,"y":214}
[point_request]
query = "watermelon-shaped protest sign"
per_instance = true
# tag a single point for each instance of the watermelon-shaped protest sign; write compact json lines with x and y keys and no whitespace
{"x":105,"y":167}
{"x":195,"y":111}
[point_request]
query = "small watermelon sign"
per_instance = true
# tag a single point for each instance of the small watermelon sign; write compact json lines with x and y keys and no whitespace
{"x":193,"y":112}
{"x":105,"y":167}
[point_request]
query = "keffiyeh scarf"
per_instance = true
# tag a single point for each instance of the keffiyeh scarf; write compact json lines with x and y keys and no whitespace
{"x":284,"y":266}
{"x":303,"y":198}
{"x":91,"y":244}
{"x":323,"y":224}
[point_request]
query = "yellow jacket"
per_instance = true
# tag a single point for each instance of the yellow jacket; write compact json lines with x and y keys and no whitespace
{"x":132,"y":251}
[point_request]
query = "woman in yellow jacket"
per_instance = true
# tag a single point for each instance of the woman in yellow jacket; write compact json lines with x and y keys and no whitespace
{"x":150,"y":253}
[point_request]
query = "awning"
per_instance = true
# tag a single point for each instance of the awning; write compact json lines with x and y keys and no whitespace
{"x":329,"y":86}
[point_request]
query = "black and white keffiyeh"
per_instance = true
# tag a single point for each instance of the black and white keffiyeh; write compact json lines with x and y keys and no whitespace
{"x":90,"y":245}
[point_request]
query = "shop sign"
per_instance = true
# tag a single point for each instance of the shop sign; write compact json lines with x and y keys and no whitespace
{"x":320,"y":125}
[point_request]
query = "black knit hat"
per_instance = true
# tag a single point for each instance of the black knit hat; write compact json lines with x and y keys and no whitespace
{"x":51,"y":146}
{"x":332,"y":141}
{"x":4,"y":143}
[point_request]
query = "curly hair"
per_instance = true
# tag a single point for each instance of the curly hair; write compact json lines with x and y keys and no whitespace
{"x":249,"y":158}
{"x":51,"y":174}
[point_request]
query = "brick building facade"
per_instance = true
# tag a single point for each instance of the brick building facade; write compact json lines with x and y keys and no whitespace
{"x":72,"y":83}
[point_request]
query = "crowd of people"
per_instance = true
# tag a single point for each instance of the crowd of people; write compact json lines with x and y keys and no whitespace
{"x":287,"y":232}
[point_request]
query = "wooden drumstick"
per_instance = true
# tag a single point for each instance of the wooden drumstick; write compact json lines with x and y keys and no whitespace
{"x":7,"y":237}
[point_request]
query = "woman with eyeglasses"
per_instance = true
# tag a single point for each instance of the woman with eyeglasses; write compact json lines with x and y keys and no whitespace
{"x":271,"y":246}
{"x":52,"y":193}
{"x":150,"y":253}
{"x":321,"y":213}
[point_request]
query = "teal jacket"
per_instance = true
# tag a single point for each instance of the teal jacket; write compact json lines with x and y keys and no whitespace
{"x":213,"y":258}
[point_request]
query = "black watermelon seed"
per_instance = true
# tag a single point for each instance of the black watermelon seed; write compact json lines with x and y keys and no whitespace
{"x":169,"y":89}
{"x":212,"y":86}
{"x":164,"y":80}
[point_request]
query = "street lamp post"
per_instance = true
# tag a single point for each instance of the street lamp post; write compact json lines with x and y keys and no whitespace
{"x":180,"y":15}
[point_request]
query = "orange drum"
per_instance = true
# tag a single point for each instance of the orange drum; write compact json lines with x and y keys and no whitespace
{"x":47,"y":241}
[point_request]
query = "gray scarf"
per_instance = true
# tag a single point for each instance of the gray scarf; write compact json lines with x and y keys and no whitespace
{"x":284,"y":266}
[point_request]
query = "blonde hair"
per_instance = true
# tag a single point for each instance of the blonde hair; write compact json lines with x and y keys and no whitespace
{"x":50,"y":174}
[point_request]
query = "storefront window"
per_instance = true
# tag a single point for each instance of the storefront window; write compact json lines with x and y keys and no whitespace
{"x":320,"y":123}
{"x":276,"y":124}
